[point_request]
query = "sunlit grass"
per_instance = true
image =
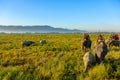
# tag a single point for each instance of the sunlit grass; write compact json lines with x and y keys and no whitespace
{"x":59,"y":59}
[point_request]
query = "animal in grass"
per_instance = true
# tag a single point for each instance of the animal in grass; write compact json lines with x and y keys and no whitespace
{"x":27,"y":43}
{"x":99,"y":39}
{"x":113,"y":40}
{"x":100,"y":52}
{"x":43,"y":41}
{"x":86,"y":43}
{"x":113,"y":43}
{"x":88,"y":60}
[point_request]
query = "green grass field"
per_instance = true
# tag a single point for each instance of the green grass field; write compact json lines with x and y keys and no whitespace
{"x":60,"y":59}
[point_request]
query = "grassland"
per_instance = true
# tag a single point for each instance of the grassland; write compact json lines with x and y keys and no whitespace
{"x":59,"y":59}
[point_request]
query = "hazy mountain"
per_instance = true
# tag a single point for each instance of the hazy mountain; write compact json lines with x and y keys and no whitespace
{"x":36,"y":29}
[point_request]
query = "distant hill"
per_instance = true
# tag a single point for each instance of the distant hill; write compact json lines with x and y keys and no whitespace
{"x":36,"y":29}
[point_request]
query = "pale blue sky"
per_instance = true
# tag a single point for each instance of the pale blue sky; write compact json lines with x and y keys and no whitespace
{"x":90,"y":15}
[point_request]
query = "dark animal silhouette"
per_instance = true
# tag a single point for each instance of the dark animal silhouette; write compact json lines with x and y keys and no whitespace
{"x":27,"y":43}
{"x":100,"y":52}
{"x":86,"y":44}
{"x":113,"y":43}
{"x":88,"y":60}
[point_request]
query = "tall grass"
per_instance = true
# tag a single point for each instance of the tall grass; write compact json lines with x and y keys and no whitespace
{"x":59,"y":59}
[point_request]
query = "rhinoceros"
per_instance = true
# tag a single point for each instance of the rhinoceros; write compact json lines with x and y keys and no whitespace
{"x":27,"y":43}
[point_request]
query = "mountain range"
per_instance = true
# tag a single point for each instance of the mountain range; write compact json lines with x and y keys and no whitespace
{"x":36,"y":29}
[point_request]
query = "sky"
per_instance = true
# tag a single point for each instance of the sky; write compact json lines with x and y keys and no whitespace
{"x":91,"y":15}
